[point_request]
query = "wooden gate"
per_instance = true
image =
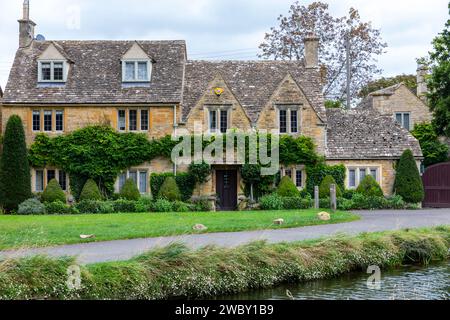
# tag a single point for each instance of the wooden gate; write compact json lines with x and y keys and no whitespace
{"x":436,"y":181}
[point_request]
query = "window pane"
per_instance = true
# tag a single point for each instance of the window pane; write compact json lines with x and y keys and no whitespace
{"x":121,"y":121}
{"x":58,"y":71}
{"x":144,"y":120}
{"x":373,"y":173}
{"x":283,"y":127}
{"x":406,"y":121}
{"x":143,"y":181}
{"x":298,"y":178}
{"x":362,"y":174}
{"x":142,"y":71}
{"x":288,"y":172}
{"x":223,"y":121}
{"x":212,"y":120}
{"x":352,"y":178}
{"x":294,"y":126}
{"x":129,"y":71}
{"x":39,"y":180}
{"x":36,"y":120}
{"x":62,"y":180}
{"x":46,"y":71}
{"x":47,"y":120}
{"x":122,"y":179}
{"x":50,"y":175}
{"x":133,"y":176}
{"x":398,"y":117}
{"x":59,"y":120}
{"x":133,"y":120}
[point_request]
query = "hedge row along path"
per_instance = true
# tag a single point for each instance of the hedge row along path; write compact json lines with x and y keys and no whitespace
{"x":117,"y":250}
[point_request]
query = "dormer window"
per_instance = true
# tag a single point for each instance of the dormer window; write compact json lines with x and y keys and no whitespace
{"x":52,"y":71}
{"x":288,"y":119}
{"x":136,"y":70}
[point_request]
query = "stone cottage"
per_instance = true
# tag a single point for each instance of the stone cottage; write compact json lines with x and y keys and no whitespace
{"x":151,"y":87}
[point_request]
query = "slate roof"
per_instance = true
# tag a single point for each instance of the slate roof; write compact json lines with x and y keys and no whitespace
{"x":96,"y":75}
{"x":251,"y":82}
{"x":366,"y":134}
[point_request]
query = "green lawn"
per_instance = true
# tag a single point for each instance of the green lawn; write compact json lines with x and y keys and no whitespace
{"x":33,"y":231}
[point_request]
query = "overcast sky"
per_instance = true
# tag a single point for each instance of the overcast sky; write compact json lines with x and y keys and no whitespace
{"x":217,"y":29}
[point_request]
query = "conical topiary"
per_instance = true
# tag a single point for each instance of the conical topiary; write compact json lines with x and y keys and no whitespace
{"x":53,"y":192}
{"x":324,"y":188}
{"x":408,"y":183}
{"x":90,"y":191}
{"x":130,"y":191}
{"x":169,"y":190}
{"x":369,"y":187}
{"x":287,"y":188}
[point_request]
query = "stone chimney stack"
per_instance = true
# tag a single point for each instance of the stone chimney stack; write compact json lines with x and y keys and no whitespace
{"x":422,"y":89}
{"x":26,"y":26}
{"x":311,"y":51}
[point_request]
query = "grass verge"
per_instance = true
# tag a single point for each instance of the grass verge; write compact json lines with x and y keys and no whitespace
{"x":176,"y":271}
{"x":38,"y":231}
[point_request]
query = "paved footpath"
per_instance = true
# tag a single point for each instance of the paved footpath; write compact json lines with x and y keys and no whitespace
{"x":371,"y":221}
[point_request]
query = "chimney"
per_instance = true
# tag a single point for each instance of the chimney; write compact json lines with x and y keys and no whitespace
{"x":422,"y":89}
{"x":311,"y":51}
{"x":26,"y":26}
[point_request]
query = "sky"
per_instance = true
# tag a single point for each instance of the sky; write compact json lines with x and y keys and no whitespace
{"x":217,"y":29}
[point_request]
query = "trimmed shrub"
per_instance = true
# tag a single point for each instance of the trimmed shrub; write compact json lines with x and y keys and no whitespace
{"x":290,"y":203}
{"x":124,"y":206}
{"x":287,"y":188}
{"x":57,"y":207}
{"x":325,"y":203}
{"x":31,"y":206}
{"x":15,"y":180}
{"x":130,"y":191}
{"x":185,"y":182}
{"x":53,"y":192}
{"x":369,"y":187}
{"x":169,"y":190}
{"x":408,"y":183}
{"x":179,"y":206}
{"x":94,"y":206}
{"x":271,"y":202}
{"x":360,"y":201}
{"x":163,"y":205}
{"x":315,"y":175}
{"x":348,"y":193}
{"x":344,"y":204}
{"x":90,"y":191}
{"x":324,"y":188}
{"x":144,"y":204}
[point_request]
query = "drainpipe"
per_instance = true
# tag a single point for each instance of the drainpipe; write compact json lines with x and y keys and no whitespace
{"x":175,"y":125}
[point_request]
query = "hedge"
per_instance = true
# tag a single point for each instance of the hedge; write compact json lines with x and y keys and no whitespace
{"x":315,"y":175}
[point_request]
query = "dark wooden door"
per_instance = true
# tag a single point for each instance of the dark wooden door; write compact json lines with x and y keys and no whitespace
{"x":436,"y":181}
{"x":226,"y":187}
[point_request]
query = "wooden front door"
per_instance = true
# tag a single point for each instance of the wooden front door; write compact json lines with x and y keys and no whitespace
{"x":226,"y":187}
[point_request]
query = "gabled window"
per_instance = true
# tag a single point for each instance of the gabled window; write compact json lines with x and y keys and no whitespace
{"x":52,"y":71}
{"x":288,"y":119}
{"x":136,"y":70}
{"x":403,"y":118}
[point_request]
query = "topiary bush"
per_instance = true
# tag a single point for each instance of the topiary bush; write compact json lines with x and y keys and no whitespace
{"x":124,"y":206}
{"x":324,"y":187}
{"x":53,"y":192}
{"x":31,"y":206}
{"x":163,"y":205}
{"x":130,"y":191}
{"x":316,"y":173}
{"x":369,"y":187}
{"x":90,"y":191}
{"x":408,"y":183}
{"x":57,"y":207}
{"x":169,"y":190}
{"x":185,"y":182}
{"x":271,"y":202}
{"x":15,"y":180}
{"x":287,"y":188}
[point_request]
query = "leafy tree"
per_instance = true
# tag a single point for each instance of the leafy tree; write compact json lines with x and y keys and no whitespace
{"x":324,"y":187}
{"x":433,"y":150}
{"x":410,"y":81}
{"x":90,"y":191}
{"x":333,"y":104}
{"x":285,"y":42}
{"x":53,"y":192}
{"x":130,"y":191}
{"x":369,"y":187}
{"x":439,"y":81}
{"x":287,"y":188}
{"x":15,"y":180}
{"x":169,"y":190}
{"x":408,"y":183}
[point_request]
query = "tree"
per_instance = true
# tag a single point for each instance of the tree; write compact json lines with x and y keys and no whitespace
{"x":409,"y":80}
{"x":53,"y":192}
{"x":15,"y":180}
{"x":408,"y":183}
{"x":324,"y":187}
{"x":130,"y":191}
{"x":169,"y":190}
{"x":287,"y":188}
{"x":439,"y":81}
{"x":90,"y":191}
{"x":433,"y":150}
{"x":285,"y":42}
{"x":369,"y":187}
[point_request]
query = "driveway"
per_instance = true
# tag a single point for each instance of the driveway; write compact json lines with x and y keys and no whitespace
{"x":371,"y":221}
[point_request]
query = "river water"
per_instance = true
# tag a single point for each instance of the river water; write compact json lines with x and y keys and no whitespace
{"x":406,"y":283}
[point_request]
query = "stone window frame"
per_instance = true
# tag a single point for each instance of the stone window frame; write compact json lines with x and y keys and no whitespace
{"x":288,"y":108}
{"x":45,"y":178}
{"x":218,"y":109}
{"x":357,"y":169}
{"x":402,"y":123}
{"x":138,"y":119}
{"x":293,"y":176}
{"x":53,"y":111}
{"x":52,"y":72}
{"x":136,"y":62}
{"x":138,"y":171}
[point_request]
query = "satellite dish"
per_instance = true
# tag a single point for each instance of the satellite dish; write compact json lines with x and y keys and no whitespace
{"x":40,"y":37}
